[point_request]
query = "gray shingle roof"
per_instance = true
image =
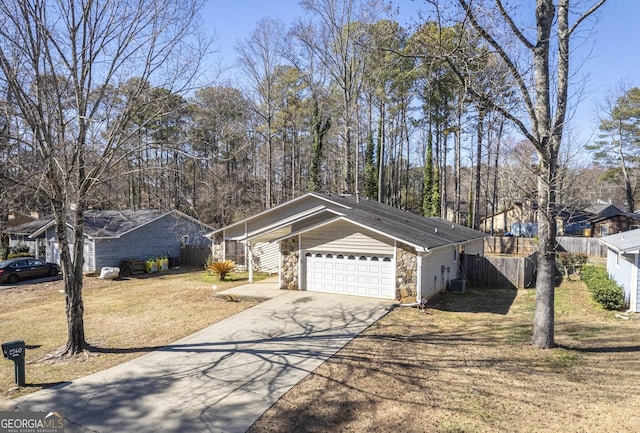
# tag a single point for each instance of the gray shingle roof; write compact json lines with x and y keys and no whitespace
{"x":403,"y":225}
{"x":624,"y":241}
{"x":114,"y":223}
{"x":30,"y":227}
{"x":102,"y":223}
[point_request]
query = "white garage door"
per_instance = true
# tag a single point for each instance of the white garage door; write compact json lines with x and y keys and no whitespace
{"x":351,"y":274}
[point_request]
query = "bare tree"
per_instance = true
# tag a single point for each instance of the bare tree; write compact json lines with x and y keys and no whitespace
{"x":260,"y":56}
{"x":544,"y":95}
{"x":337,"y":38}
{"x":60,"y":60}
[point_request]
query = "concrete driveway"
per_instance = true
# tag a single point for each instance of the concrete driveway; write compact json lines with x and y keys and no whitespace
{"x":220,"y":379}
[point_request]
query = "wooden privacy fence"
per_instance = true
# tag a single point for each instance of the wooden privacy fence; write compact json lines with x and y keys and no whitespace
{"x":501,"y":272}
{"x":509,"y":245}
{"x":193,"y":255}
{"x":525,"y":246}
{"x":588,"y":246}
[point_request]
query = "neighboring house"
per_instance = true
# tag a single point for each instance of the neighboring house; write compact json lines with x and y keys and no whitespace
{"x":520,"y":219}
{"x":462,"y":214}
{"x":339,"y":244}
{"x":623,"y":261}
{"x":574,"y":222}
{"x":21,"y":235}
{"x":612,"y":220}
{"x":111,"y":236}
{"x":14,"y":219}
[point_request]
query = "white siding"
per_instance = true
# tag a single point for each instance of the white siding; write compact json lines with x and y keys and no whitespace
{"x":343,"y":237}
{"x":266,"y":257}
{"x":438,"y":268}
{"x":89,"y":256}
{"x":621,"y":269}
{"x":635,"y":305}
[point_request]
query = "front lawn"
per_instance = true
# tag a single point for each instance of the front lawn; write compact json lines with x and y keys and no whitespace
{"x":468,"y":367}
{"x":123,"y":319}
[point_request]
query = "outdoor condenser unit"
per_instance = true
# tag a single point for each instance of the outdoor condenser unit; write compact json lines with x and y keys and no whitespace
{"x":458,"y":285}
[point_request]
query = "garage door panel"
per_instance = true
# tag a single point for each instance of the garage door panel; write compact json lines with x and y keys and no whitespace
{"x":371,"y":276}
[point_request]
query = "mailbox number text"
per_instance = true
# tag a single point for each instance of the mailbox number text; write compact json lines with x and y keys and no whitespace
{"x":14,"y":352}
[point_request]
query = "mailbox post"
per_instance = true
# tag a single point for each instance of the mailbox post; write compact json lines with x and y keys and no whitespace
{"x":14,"y":351}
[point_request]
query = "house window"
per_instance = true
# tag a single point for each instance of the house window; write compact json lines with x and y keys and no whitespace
{"x":604,"y":230}
{"x":634,"y":226}
{"x":185,"y":240}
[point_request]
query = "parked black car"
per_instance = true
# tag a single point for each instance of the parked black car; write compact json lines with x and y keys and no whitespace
{"x":14,"y":270}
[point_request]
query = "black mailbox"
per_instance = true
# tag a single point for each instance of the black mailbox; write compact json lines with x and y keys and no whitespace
{"x":14,"y":351}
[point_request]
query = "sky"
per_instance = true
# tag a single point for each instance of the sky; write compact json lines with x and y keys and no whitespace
{"x":606,"y":56}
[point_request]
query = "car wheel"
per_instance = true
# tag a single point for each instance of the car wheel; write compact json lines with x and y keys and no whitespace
{"x":13,"y":278}
{"x":53,"y":272}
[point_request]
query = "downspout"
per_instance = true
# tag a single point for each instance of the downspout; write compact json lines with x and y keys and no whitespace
{"x":248,"y":254}
{"x":300,"y":266}
{"x":635,"y":287}
{"x":250,"y":259}
{"x":419,"y":285}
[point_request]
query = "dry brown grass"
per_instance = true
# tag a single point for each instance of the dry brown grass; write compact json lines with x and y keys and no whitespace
{"x":468,"y":367}
{"x":123,"y":319}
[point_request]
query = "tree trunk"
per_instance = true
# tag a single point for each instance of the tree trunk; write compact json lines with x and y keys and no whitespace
{"x":71,"y":262}
{"x":543,"y":322}
{"x":480,"y":136}
{"x":457,"y":163}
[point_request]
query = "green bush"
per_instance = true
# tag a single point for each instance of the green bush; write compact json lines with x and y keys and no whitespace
{"x":20,"y":249}
{"x":604,"y":290}
{"x":608,"y":294}
{"x":593,"y":272}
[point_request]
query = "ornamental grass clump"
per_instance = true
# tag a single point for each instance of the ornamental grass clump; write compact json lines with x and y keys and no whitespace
{"x":221,"y":269}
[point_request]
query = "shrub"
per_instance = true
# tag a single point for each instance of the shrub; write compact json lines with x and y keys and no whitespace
{"x":603,"y":289}
{"x":14,"y":255}
{"x":592,"y":272}
{"x":20,"y":249}
{"x":222,"y":269}
{"x":572,"y":263}
{"x":608,"y":294}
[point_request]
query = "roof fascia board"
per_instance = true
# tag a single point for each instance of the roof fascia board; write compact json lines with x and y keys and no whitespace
{"x":43,"y":229}
{"x":258,"y":215}
{"x":192,"y":219}
{"x":264,"y":212}
{"x":285,"y":222}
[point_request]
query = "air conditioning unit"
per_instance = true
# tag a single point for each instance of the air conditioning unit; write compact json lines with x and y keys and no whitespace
{"x":458,"y":285}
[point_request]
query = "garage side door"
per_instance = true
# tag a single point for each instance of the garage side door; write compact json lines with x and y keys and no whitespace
{"x":349,"y":274}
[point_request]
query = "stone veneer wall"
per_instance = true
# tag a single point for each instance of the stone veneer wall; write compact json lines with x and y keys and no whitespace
{"x":290,"y":259}
{"x":406,"y":272}
{"x":217,"y":252}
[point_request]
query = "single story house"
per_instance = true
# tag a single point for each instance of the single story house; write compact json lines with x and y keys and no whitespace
{"x":612,"y":220}
{"x":574,"y":222}
{"x":623,"y":261}
{"x":520,"y":219}
{"x":111,"y":236}
{"x":341,"y":244}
